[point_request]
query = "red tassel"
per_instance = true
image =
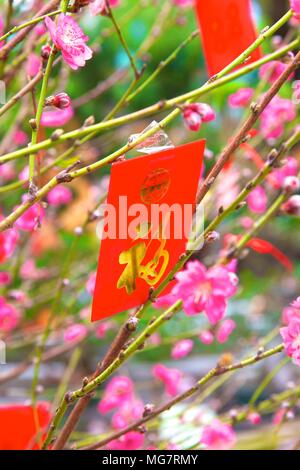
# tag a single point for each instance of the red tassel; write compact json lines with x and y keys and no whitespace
{"x":265,"y":247}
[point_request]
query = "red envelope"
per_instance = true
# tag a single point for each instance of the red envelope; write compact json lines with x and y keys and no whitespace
{"x":17,"y":425}
{"x":227,"y":29}
{"x":143,"y":247}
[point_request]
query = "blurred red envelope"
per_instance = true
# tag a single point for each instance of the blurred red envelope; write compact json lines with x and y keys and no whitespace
{"x":227,"y":29}
{"x":17,"y":425}
{"x":130,"y":264}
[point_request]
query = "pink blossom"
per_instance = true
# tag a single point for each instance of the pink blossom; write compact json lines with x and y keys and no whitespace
{"x":20,"y":137}
{"x":274,"y":117}
{"x":56,"y":117}
{"x":291,"y":184}
{"x":5,"y":278}
{"x":257,"y":200}
{"x":271,"y":71}
{"x":292,"y":205}
{"x":90,"y":285}
{"x":218,"y":436}
{"x":98,"y":7}
{"x":34,"y":65}
{"x":129,"y":411}
{"x":75,"y":333}
{"x":202,"y":290}
{"x":206,"y":337}
{"x":225,"y":330}
{"x":290,"y":168}
{"x":288,"y":313}
{"x":296,"y":303}
{"x":103,"y":328}
{"x":246,"y":222}
{"x":70,"y":39}
{"x":241,"y":98}
{"x":1,"y":30}
{"x":291,"y":339}
{"x":60,"y":100}
{"x":295,"y":6}
{"x":29,"y":271}
{"x":170,"y":377}
{"x":31,"y":218}
{"x":40,"y":29}
{"x":8,"y":242}
{"x":59,"y":195}
{"x":254,"y":418}
{"x":183,"y":3}
{"x":196,"y":113}
{"x":182,"y":348}
{"x":279,"y":416}
{"x":7,"y":171}
{"x":9,"y":316}
{"x":118,"y":391}
{"x":133,"y":440}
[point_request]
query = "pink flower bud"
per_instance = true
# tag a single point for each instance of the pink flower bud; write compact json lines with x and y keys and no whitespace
{"x":45,"y":51}
{"x":257,"y":200}
{"x":241,"y":98}
{"x":206,"y":337}
{"x":291,"y":184}
{"x":254,"y":418}
{"x":59,"y":195}
{"x":292,"y":205}
{"x":60,"y":101}
{"x":225,"y":330}
{"x":75,"y":333}
{"x":182,"y":348}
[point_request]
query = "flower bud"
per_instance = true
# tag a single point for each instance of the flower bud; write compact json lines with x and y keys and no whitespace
{"x":291,"y":184}
{"x":292,"y":205}
{"x":46,"y":51}
{"x":60,"y":101}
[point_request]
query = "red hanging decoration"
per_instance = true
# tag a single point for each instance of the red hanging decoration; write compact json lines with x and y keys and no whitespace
{"x":130,"y":264}
{"x":227,"y":29}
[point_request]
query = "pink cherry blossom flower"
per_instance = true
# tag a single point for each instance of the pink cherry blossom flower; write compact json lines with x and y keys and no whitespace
{"x":8,"y":242}
{"x":20,"y":137}
{"x":183,"y":3}
{"x":34,"y":65}
{"x":98,"y":7}
{"x":225,"y":330}
{"x":129,"y":411}
{"x":59,"y":195}
{"x":90,"y":285}
{"x":291,"y":339}
{"x":202,"y":290}
{"x":9,"y":316}
{"x":196,"y":113}
{"x":288,"y":313}
{"x":290,"y":168}
{"x":75,"y":333}
{"x":279,"y":416}
{"x":70,"y":39}
{"x":31,"y":218}
{"x":170,"y":377}
{"x":182,"y":348}
{"x":218,"y":436}
{"x":254,"y":418}
{"x":274,"y":117}
{"x":5,"y":278}
{"x":56,"y":117}
{"x":132,"y":440}
{"x":257,"y":200}
{"x":1,"y":30}
{"x":7,"y":171}
{"x":241,"y":98}
{"x":271,"y":71}
{"x":103,"y":328}
{"x":206,"y":337}
{"x":296,"y":303}
{"x":295,"y":6}
{"x":118,"y":391}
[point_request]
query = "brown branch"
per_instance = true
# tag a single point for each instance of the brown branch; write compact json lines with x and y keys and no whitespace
{"x":256,"y":111}
{"x":215,"y":372}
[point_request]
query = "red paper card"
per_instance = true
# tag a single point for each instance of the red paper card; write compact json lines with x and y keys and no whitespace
{"x":227,"y":29}
{"x":18,"y":427}
{"x":142,"y":248}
